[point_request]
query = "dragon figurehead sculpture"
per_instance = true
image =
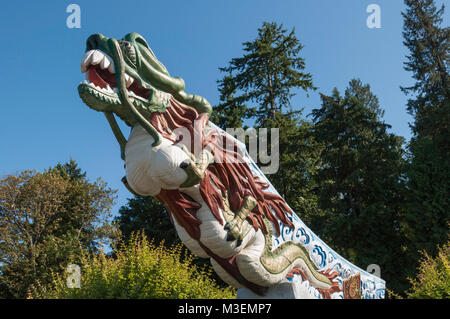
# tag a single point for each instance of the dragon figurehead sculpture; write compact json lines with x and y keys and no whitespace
{"x":221,"y":205}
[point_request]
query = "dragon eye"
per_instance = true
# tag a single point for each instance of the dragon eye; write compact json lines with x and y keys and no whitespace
{"x":128,"y":50}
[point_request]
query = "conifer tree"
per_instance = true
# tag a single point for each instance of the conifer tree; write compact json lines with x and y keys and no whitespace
{"x":256,"y":90}
{"x":263,"y":80}
{"x":145,"y":213}
{"x":426,"y":220}
{"x":429,"y":59}
{"x":360,"y":186}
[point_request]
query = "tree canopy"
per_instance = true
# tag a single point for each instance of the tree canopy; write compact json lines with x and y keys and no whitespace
{"x":46,"y":218}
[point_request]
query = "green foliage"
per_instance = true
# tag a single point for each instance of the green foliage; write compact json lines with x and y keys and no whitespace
{"x":433,"y":278}
{"x":428,"y":61}
{"x":299,"y":159}
{"x":139,"y":269}
{"x":265,"y":76}
{"x":230,"y":112}
{"x":149,"y":215}
{"x":87,"y":208}
{"x":45,"y":220}
{"x":360,"y":186}
{"x":425,"y":222}
{"x":145,"y":213}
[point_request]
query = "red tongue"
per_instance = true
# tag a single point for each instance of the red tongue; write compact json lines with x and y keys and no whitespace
{"x":102,"y":78}
{"x":95,"y":78}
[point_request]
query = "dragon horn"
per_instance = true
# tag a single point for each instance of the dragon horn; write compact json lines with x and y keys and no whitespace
{"x":123,"y":94}
{"x":157,"y":74}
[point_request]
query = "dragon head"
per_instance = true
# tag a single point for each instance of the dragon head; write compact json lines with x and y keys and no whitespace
{"x":101,"y":63}
{"x":124,"y":77}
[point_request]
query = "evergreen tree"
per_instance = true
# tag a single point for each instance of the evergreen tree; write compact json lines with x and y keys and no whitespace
{"x":360,"y":180}
{"x":230,"y":113}
{"x":426,"y":220}
{"x":266,"y":75}
{"x":425,"y":224}
{"x":428,"y":62}
{"x":258,"y":88}
{"x":149,"y":215}
{"x":299,"y":159}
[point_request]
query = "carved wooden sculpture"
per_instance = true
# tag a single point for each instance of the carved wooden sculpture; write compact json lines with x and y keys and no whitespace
{"x":221,"y":204}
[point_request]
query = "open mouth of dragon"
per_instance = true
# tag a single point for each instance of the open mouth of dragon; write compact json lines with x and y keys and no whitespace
{"x":100,"y":76}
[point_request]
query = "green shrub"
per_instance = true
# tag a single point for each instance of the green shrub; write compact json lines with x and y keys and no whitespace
{"x":433,"y":278}
{"x":139,"y":269}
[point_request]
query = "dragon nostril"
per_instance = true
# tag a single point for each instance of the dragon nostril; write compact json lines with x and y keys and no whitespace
{"x":185,"y":164}
{"x":93,"y":41}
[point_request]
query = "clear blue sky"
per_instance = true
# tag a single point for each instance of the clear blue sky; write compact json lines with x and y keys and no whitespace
{"x":43,"y":121}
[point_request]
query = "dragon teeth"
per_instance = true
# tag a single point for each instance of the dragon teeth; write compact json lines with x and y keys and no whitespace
{"x":129,"y":80}
{"x":111,"y":68}
{"x":113,"y":92}
{"x":97,"y":57}
{"x":94,"y":57}
{"x":108,"y":89}
{"x":85,"y":61}
{"x":105,"y":62}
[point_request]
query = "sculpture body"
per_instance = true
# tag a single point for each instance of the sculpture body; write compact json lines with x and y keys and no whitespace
{"x":221,"y":204}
